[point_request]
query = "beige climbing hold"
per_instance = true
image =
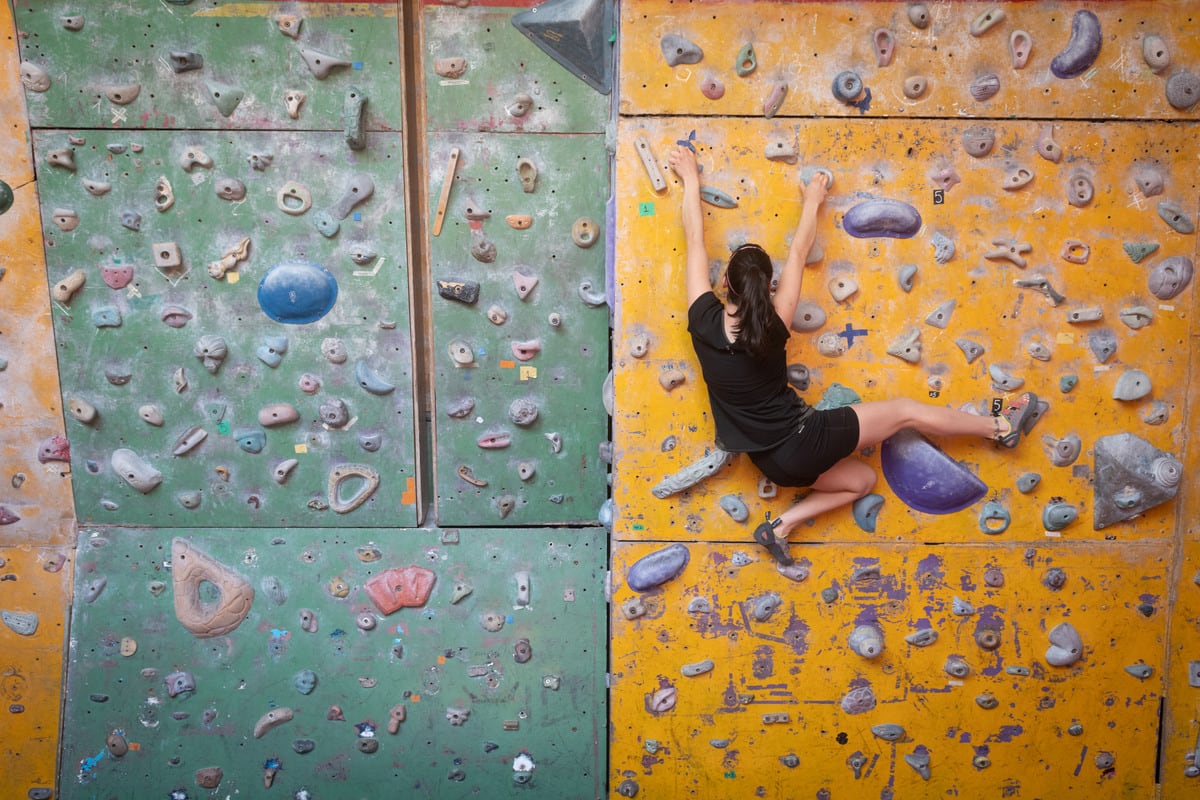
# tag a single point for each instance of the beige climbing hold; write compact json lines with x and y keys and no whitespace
{"x":293,"y":99}
{"x":96,"y":188}
{"x":65,"y":219}
{"x":343,"y":472}
{"x":585,"y":232}
{"x":272,"y":719}
{"x":395,"y":717}
{"x":527,"y":171}
{"x":65,"y":289}
{"x":277,"y":414}
{"x":164,"y":195}
{"x":34,"y":77}
{"x":62,"y":157}
{"x":293,"y":198}
{"x":289,"y":24}
{"x":151,"y":415}
{"x":193,"y":157}
{"x":117,"y":745}
{"x":128,"y":646}
{"x":450,"y":67}
{"x":321,"y":64}
{"x":123,"y":95}
{"x":134,"y":470}
{"x":81,"y":410}
{"x":230,"y":259}
{"x":189,"y":569}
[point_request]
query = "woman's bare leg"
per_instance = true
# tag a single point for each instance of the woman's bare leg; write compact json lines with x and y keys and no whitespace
{"x":841,"y":484}
{"x":880,"y":419}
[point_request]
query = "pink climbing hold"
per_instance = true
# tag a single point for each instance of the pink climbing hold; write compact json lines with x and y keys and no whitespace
{"x":55,"y":448}
{"x":400,"y":587}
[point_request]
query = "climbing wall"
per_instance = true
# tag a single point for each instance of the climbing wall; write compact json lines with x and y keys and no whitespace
{"x":231,"y":309}
{"x":518,"y":177}
{"x":442,"y":664}
{"x":1028,"y":251}
{"x":35,"y":487}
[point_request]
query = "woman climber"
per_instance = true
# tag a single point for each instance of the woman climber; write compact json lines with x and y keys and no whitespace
{"x":741,"y":345}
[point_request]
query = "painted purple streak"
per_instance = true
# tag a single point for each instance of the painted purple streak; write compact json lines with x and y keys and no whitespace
{"x":1006,"y":733}
{"x":966,"y":584}
{"x":891,"y":219}
{"x":932,"y":565}
{"x":868,"y":616}
{"x":796,"y":634}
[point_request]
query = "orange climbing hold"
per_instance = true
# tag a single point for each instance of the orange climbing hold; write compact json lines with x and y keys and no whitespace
{"x":400,"y":587}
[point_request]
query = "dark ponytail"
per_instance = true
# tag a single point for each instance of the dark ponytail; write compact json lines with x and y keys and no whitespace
{"x":750,"y":274}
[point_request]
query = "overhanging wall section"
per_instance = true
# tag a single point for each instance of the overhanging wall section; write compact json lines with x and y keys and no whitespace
{"x":516,"y":149}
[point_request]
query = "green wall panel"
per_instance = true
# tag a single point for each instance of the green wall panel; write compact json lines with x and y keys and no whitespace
{"x":120,"y":370}
{"x":564,"y":379}
{"x":242,"y":48}
{"x":500,"y":65}
{"x":126,"y":641}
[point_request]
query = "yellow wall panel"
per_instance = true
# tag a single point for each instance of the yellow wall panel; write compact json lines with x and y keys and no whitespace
{"x":806,"y":45}
{"x":720,"y":740}
{"x":896,"y":159}
{"x":36,"y":491}
{"x":36,"y":580}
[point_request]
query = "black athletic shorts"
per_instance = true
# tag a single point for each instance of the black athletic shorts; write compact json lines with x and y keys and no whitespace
{"x":824,"y":438}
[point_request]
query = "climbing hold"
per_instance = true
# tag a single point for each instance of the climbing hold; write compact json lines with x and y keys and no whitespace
{"x":34,"y":77}
{"x":955,"y":667}
{"x":585,"y":232}
{"x":847,"y":86}
{"x":193,"y":157}
{"x":905,"y":276}
{"x":1058,"y":514}
{"x":717,"y":197}
{"x":277,"y":414}
{"x":882,"y":218}
{"x":400,"y":587}
{"x":866,"y":511}
{"x":807,"y":317}
{"x":946,"y":178}
{"x":1064,"y":451}
{"x":1156,"y":53}
{"x":655,"y":569}
{"x":451,"y":68}
{"x":230,"y":189}
{"x":915,"y":86}
{"x":842,"y":287}
{"x":593,"y":298}
{"x":179,"y":682}
{"x":994,"y":518}
{"x":1103,"y":344}
{"x":344,"y":472}
{"x":1133,"y":384}
{"x":940,"y":316}
{"x":712,"y":87}
{"x":925,"y":478}
{"x":692,"y":474}
{"x":211,"y":350}
{"x":1127,"y":462}
{"x":961,"y":608}
{"x":889,"y":732}
{"x":866,"y":641}
{"x":1054,"y":579}
{"x":919,"y":761}
{"x":354,"y":110}
{"x":885,"y":46}
{"x":1082,"y":48}
{"x":135,"y":471}
{"x":272,"y":719}
{"x":189,"y":440}
{"x":678,"y":50}
{"x":124,"y":94}
{"x":231,"y":258}
{"x":164,"y":195}
{"x":1075,"y":251}
{"x":293,"y":99}
{"x":978,"y":141}
{"x":96,"y":188}
{"x":907,"y":347}
{"x":224,"y":96}
{"x":922,"y":637}
{"x":764,"y":606}
{"x":371,"y":381}
{"x":1016,"y":177}
{"x":293,"y":199}
{"x":985,"y":86}
{"x":520,"y":105}
{"x":190,"y":568}
{"x":985,"y":21}
{"x":289,"y":25}
{"x":1080,"y":190}
{"x":1020,"y":44}
{"x":774,"y":99}
{"x":1170,"y":277}
{"x":64,"y":290}
{"x":297,"y":292}
{"x":1047,"y":148}
{"x":1027,"y":482}
{"x":1065,"y":645}
{"x":1183,"y":90}
{"x":321,"y":64}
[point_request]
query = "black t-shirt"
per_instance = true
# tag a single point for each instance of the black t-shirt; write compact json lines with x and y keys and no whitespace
{"x":754,"y":408}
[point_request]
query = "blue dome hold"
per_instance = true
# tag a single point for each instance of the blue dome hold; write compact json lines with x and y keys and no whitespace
{"x":296,"y":292}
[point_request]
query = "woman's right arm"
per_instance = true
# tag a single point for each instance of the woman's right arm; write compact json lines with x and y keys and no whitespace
{"x":683,"y":161}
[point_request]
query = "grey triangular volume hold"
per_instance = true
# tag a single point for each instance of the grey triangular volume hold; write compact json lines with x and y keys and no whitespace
{"x":576,"y":34}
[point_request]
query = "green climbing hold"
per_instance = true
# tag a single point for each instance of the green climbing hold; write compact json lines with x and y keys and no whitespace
{"x":1139,"y":250}
{"x":6,"y":197}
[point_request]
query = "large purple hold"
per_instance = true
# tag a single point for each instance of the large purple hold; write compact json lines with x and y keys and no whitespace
{"x":657,"y":568}
{"x":1082,"y":48}
{"x":882,"y":218}
{"x":925,"y":478}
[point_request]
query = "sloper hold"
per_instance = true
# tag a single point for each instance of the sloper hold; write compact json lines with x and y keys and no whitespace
{"x":225,"y":97}
{"x":678,"y":50}
{"x":925,"y":478}
{"x":400,"y":587}
{"x":1170,"y":276}
{"x":206,"y":619}
{"x":321,"y":64}
{"x":576,"y":34}
{"x":882,"y":218}
{"x":1082,"y":48}
{"x":1124,"y":461}
{"x":1065,"y":645}
{"x":655,"y":569}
